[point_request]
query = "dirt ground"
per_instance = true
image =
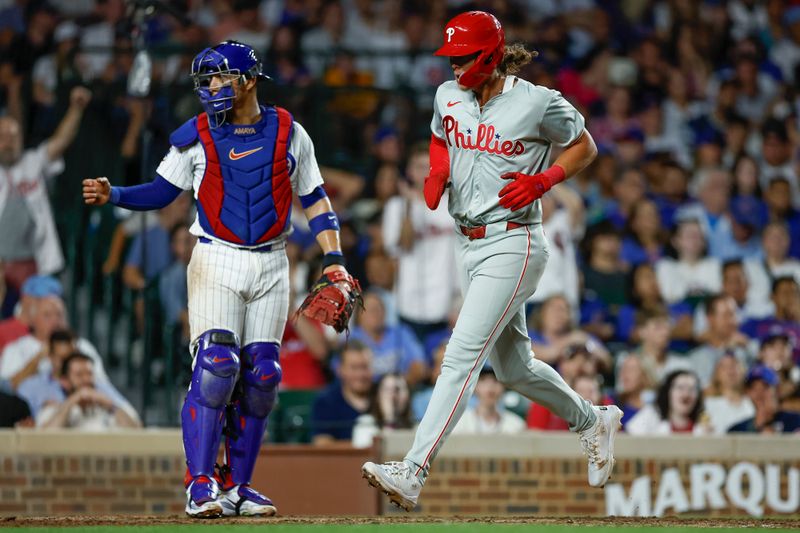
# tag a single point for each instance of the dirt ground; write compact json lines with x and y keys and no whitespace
{"x":81,"y":521}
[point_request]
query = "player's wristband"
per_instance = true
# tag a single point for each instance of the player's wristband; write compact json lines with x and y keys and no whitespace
{"x":324,"y":222}
{"x":114,"y":196}
{"x":333,"y":258}
{"x":556,"y":174}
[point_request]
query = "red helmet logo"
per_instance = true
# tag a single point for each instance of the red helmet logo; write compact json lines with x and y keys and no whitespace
{"x":474,"y":32}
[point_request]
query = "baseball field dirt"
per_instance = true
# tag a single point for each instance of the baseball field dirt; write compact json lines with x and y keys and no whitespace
{"x":400,"y":524}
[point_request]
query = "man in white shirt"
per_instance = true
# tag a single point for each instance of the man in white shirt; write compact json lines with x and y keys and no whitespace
{"x":488,"y":417}
{"x":423,"y":242}
{"x":722,"y":338}
{"x":775,"y":241}
{"x":786,"y":52}
{"x":30,"y":242}
{"x":28,"y":355}
{"x":563,"y":220}
{"x":88,"y":405}
{"x":777,"y":158}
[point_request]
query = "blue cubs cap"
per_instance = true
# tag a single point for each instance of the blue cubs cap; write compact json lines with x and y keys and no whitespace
{"x":774,"y":333}
{"x":749,"y":211}
{"x":631,"y":134}
{"x":42,"y":286}
{"x":384,"y":133}
{"x":763,"y":373}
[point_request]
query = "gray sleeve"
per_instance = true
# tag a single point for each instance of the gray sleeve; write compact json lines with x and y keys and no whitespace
{"x":436,"y":121}
{"x":562,"y":124}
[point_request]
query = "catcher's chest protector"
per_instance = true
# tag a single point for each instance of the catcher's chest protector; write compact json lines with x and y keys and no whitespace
{"x":245,"y":196}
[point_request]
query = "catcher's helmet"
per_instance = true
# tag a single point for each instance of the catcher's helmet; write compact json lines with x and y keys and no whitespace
{"x":229,"y":58}
{"x":474,"y":32}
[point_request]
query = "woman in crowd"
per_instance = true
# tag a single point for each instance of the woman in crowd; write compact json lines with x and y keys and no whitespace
{"x":634,"y":388}
{"x":678,"y":407}
{"x":391,"y":402}
{"x":644,"y":236}
{"x":725,"y":401}
{"x":691,"y":273}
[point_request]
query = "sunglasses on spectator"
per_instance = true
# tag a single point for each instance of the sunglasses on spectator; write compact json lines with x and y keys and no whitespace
{"x":460,"y":61}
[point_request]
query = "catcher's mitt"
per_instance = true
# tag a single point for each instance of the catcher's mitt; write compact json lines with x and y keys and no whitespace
{"x":332,"y":299}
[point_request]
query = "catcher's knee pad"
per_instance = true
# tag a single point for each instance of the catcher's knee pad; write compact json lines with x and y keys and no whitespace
{"x":261,"y":374}
{"x":216,"y":367}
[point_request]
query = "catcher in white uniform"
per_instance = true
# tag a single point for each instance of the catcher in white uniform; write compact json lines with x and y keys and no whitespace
{"x":243,"y":161}
{"x":491,"y":144}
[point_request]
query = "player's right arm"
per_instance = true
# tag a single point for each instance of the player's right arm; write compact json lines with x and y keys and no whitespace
{"x":154,"y":195}
{"x":174,"y":175}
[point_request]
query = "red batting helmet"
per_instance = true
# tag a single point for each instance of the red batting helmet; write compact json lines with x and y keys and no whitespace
{"x":474,"y":32}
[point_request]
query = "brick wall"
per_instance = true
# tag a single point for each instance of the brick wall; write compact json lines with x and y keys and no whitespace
{"x":141,"y":472}
{"x":510,"y":486}
{"x":52,"y":473}
{"x":549,"y":487}
{"x":75,"y":484}
{"x":544,"y":474}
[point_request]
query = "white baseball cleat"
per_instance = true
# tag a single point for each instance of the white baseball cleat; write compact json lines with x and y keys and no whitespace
{"x":241,"y":500}
{"x":396,"y":480}
{"x":202,"y":498}
{"x":598,"y":443}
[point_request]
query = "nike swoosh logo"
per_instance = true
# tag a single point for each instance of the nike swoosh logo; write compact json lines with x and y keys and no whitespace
{"x":218,"y":359}
{"x":451,"y":104}
{"x":265,"y":378}
{"x":234,"y":156}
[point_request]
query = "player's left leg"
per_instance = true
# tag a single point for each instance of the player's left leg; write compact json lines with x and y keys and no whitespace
{"x":516,"y":367}
{"x":267,"y":306}
{"x":258,"y":388}
{"x":503,"y":271}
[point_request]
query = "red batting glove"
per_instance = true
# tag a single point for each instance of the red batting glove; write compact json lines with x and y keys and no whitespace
{"x":525,"y":189}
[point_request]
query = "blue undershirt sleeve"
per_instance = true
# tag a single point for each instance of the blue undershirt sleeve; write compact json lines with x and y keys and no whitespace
{"x":313,"y":197}
{"x":148,"y":196}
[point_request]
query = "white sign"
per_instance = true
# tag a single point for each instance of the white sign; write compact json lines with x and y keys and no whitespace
{"x":710,"y":487}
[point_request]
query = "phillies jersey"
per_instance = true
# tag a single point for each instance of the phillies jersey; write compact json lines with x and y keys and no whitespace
{"x":222,"y":203}
{"x":512,"y":133}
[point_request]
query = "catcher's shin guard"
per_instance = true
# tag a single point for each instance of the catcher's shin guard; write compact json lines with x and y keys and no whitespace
{"x":216,"y":366}
{"x":261,"y":374}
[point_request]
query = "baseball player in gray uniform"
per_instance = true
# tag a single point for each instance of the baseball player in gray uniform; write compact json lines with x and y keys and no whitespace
{"x":491,"y":143}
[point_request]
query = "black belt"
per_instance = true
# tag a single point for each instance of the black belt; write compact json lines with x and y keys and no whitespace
{"x":264,"y":248}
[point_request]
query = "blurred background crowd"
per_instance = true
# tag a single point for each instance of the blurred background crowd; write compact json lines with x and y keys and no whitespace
{"x":672,"y":284}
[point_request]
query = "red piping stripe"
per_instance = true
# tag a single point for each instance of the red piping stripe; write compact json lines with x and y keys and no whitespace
{"x":464,"y":386}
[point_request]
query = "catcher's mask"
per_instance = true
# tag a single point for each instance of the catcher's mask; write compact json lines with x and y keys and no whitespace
{"x":478,"y":35}
{"x":229,"y":60}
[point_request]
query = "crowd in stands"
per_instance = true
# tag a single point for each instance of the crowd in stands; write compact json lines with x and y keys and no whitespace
{"x":672,"y":286}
